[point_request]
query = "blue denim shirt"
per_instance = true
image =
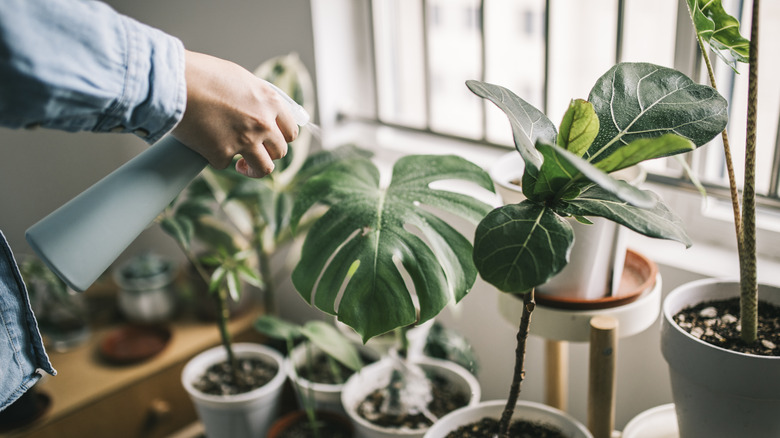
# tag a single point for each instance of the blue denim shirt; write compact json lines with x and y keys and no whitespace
{"x":74,"y":65}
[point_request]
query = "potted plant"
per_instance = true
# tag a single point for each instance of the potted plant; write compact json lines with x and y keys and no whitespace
{"x":726,"y":383}
{"x":625,"y":121}
{"x":318,"y":368}
{"x":355,"y":256}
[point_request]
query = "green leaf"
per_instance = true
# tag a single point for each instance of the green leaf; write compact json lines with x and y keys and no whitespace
{"x":657,"y":221}
{"x":328,"y":339}
{"x":181,"y":229}
{"x":380,"y":228}
{"x":639,"y":100}
{"x":277,"y":328}
{"x":520,"y":246}
{"x":217,"y":277}
{"x":719,"y":29}
{"x":579,"y":127}
{"x":561,"y":168}
{"x":249,"y":275}
{"x":645,"y":149}
{"x":528,"y":123}
{"x":215,"y":235}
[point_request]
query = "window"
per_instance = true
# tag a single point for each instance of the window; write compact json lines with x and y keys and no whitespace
{"x":414,"y":56}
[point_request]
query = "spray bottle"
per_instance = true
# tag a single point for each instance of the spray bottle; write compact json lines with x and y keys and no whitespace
{"x":81,"y":239}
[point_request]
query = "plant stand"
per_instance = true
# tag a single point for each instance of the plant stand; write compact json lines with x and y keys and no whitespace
{"x":597,"y":323}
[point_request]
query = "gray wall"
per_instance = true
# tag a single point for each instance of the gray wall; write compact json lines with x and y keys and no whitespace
{"x":42,"y":169}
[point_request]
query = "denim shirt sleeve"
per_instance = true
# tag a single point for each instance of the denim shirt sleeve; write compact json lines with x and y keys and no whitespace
{"x":79,"y":65}
{"x":22,"y":356}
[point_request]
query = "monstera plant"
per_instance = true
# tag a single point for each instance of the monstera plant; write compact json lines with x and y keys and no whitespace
{"x":355,"y":255}
{"x":369,"y":229}
{"x":635,"y":112}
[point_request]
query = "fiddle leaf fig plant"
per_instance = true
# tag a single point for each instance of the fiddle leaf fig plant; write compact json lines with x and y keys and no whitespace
{"x":351,"y":260}
{"x":635,"y":112}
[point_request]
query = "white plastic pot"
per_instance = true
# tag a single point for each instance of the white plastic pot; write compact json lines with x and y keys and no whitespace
{"x":718,"y":392}
{"x":326,"y":396}
{"x":599,"y":249}
{"x":657,"y":422}
{"x":247,"y":415}
{"x":525,"y":410}
{"x":377,"y":375}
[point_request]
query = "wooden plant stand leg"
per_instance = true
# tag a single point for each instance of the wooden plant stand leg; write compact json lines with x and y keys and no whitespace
{"x":557,"y":374}
{"x":602,"y":376}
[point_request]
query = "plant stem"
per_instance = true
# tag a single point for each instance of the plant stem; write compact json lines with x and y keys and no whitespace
{"x":519,"y":373}
{"x":269,"y":292}
{"x":223,"y":316}
{"x":727,"y":152}
{"x":749,"y":290}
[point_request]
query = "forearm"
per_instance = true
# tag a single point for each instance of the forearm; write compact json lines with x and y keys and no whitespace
{"x":79,"y":65}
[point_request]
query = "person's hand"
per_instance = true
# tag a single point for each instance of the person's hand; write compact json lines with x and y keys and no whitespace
{"x":230,"y":111}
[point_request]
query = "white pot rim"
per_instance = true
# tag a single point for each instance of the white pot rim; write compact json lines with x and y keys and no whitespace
{"x":292,"y":373}
{"x":449,"y":420}
{"x":670,"y":308}
{"x":203,"y":360}
{"x":456,"y":369}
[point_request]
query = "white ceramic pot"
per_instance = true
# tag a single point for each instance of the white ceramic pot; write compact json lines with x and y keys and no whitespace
{"x":657,"y":422}
{"x":327,"y":396}
{"x":523,"y":410}
{"x":598,"y":253}
{"x":377,"y":375}
{"x":247,"y":415}
{"x":718,"y":392}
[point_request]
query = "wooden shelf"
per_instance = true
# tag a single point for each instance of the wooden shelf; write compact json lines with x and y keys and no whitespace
{"x":91,"y":397}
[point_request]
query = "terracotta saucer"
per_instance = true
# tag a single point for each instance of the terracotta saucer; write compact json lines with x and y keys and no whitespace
{"x":638,"y":276}
{"x":134,"y":343}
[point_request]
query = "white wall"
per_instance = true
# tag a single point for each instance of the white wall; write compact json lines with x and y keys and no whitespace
{"x":42,"y":169}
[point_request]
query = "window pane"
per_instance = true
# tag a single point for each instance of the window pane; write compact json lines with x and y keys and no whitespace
{"x":582,"y":48}
{"x":649,"y":29}
{"x":454,"y":56}
{"x":514,"y":45}
{"x":400,"y":61}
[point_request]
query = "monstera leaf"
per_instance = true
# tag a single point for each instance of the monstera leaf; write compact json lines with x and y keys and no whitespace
{"x":719,"y":29}
{"x":350,"y":260}
{"x":634,"y":113}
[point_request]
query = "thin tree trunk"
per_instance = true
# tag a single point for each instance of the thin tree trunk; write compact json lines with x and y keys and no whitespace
{"x":748,"y":275}
{"x":519,"y":373}
{"x":727,"y":151}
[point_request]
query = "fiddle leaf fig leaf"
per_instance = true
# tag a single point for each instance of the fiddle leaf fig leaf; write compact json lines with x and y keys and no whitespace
{"x":657,"y":221}
{"x":719,"y":29}
{"x":520,"y":246}
{"x":639,"y":100}
{"x":349,"y":265}
{"x":645,"y":149}
{"x":561,"y":169}
{"x":579,"y":127}
{"x":528,"y":123}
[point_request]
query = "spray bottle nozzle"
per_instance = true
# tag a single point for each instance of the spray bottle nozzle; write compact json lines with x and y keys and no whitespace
{"x":300,"y":115}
